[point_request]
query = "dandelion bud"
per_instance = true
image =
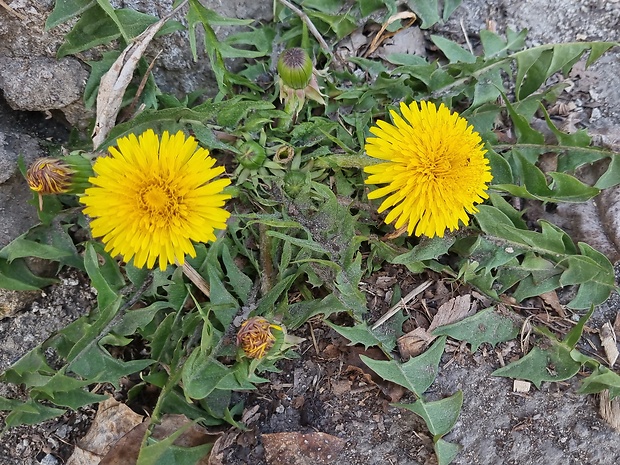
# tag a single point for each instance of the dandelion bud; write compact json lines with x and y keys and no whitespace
{"x":295,"y":68}
{"x":49,"y":176}
{"x":255,"y":337}
{"x":59,"y":175}
{"x":296,"y":182}
{"x":252,"y":155}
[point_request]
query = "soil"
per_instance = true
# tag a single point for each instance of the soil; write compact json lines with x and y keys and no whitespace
{"x":328,"y":389}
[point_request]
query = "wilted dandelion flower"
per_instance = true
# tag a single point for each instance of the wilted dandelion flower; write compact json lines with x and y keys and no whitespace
{"x":255,"y":337}
{"x":150,"y":199}
{"x":435,"y":169}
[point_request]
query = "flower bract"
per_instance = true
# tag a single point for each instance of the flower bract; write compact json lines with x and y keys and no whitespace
{"x":434,"y":169}
{"x":151,"y":198}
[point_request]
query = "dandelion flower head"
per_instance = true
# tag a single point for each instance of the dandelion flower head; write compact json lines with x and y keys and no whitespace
{"x":255,"y":337}
{"x":151,"y":198}
{"x":434,"y":172}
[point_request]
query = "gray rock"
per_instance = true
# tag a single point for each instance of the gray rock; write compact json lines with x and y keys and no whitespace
{"x":41,"y":83}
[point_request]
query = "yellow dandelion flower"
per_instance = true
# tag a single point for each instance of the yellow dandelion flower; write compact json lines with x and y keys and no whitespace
{"x":255,"y":337}
{"x":435,"y":169}
{"x":150,"y":199}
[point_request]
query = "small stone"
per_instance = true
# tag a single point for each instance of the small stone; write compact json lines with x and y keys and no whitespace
{"x":49,"y":459}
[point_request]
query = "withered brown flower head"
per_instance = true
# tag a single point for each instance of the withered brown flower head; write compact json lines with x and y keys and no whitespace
{"x":255,"y":337}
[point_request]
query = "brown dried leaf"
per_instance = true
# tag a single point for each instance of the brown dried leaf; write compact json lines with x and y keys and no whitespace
{"x":608,"y":341}
{"x":452,"y":311}
{"x":114,"y":83}
{"x":551,"y":299}
{"x":414,"y":342}
{"x":112,"y":422}
{"x":302,"y":449}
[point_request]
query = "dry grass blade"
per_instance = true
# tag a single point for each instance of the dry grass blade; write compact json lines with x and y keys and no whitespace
{"x":400,"y":305}
{"x":195,"y":278}
{"x":11,"y":10}
{"x":114,"y":83}
{"x":380,"y":37}
{"x":311,"y":27}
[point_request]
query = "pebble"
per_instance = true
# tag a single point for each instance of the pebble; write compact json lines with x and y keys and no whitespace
{"x":49,"y":459}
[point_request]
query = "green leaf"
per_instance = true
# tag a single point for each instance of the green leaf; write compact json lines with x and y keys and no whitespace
{"x":574,"y":334}
{"x":427,"y":249}
{"x":441,"y":415}
{"x":449,"y":7}
{"x":202,"y":374}
{"x":300,"y":312}
{"x":488,"y":325}
{"x":358,"y":334}
{"x":95,"y":28}
{"x":427,"y":10}
{"x":31,"y":413}
{"x":536,"y":65}
{"x":138,"y":318}
{"x":64,"y":10}
{"x":106,"y":294}
{"x":525,"y":133}
{"x":564,"y":188}
{"x":17,"y":276}
{"x":165,"y":451}
{"x":97,"y":365}
{"x":446,"y":451}
{"x":9,"y":404}
{"x":552,"y":364}
{"x":196,"y":15}
{"x":417,"y":374}
{"x":342,"y":25}
{"x":22,"y":247}
{"x":239,"y":281}
{"x":453,"y":51}
{"x":601,"y":378}
{"x":597,"y":49}
{"x":611,"y":177}
{"x":30,"y":370}
{"x":593,"y":272}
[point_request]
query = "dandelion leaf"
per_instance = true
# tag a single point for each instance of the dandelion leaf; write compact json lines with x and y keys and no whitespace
{"x":441,"y":415}
{"x":417,"y":374}
{"x":485,"y":326}
{"x":552,"y":364}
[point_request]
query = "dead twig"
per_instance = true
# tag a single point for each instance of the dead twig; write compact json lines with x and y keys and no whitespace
{"x":195,"y":278}
{"x":403,"y":302}
{"x":12,"y":11}
{"x":130,"y":110}
{"x":311,"y":27}
{"x":380,"y":37}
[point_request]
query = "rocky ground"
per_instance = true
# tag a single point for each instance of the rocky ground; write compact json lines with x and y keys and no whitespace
{"x":324,"y":390}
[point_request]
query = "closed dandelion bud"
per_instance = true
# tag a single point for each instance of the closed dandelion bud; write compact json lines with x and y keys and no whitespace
{"x":59,"y":175}
{"x":295,"y":68}
{"x":296,"y":182}
{"x":49,"y":176}
{"x":252,"y":155}
{"x":255,"y":337}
